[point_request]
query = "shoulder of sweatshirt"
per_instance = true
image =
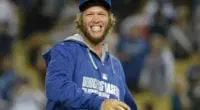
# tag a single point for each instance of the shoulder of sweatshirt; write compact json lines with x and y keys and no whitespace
{"x":115,"y":60}
{"x":64,"y":48}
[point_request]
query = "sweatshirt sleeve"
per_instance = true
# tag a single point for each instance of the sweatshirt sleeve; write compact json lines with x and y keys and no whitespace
{"x":128,"y":99}
{"x":59,"y":85}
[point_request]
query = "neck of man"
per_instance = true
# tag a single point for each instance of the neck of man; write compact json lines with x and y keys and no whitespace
{"x":96,"y":48}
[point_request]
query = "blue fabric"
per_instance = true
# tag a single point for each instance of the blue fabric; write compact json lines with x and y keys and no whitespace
{"x":176,"y":102}
{"x":136,"y":51}
{"x":68,"y":67}
{"x":7,"y":81}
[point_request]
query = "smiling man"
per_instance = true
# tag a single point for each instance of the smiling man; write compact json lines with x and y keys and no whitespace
{"x":81,"y":73}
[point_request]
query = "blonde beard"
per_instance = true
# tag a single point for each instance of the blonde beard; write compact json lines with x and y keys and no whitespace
{"x":94,"y":41}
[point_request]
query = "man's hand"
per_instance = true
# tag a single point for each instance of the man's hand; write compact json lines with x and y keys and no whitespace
{"x":111,"y":104}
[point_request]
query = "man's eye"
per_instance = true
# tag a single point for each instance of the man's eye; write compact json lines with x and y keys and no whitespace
{"x":102,"y":14}
{"x":88,"y":14}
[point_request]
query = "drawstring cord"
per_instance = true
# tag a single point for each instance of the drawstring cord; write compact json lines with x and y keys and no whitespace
{"x":92,"y":60}
{"x":112,"y":64}
{"x":94,"y":64}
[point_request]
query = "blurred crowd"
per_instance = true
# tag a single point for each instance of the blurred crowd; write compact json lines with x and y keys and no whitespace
{"x":157,"y":42}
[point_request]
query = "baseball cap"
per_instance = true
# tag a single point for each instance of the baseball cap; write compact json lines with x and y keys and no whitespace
{"x":157,"y":29}
{"x":84,"y":4}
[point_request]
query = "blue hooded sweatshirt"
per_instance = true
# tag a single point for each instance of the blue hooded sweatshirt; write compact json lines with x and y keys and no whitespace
{"x":77,"y":79}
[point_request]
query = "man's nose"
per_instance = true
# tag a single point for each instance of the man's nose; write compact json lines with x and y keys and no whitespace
{"x":96,"y":19}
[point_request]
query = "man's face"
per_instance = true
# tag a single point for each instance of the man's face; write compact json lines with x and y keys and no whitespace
{"x":95,"y":21}
{"x":157,"y":41}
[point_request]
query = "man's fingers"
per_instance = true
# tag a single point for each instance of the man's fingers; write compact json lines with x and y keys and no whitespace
{"x":124,"y":106}
{"x":111,"y":104}
{"x":120,"y":105}
{"x":119,"y":108}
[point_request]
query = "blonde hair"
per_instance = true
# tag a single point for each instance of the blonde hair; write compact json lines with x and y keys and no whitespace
{"x":111,"y":25}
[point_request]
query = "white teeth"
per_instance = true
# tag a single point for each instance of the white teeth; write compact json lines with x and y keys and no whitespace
{"x":96,"y":28}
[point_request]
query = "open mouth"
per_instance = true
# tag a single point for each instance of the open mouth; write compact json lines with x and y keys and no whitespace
{"x":96,"y":28}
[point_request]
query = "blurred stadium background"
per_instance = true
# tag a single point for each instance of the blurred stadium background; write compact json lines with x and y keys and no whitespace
{"x":157,"y":41}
